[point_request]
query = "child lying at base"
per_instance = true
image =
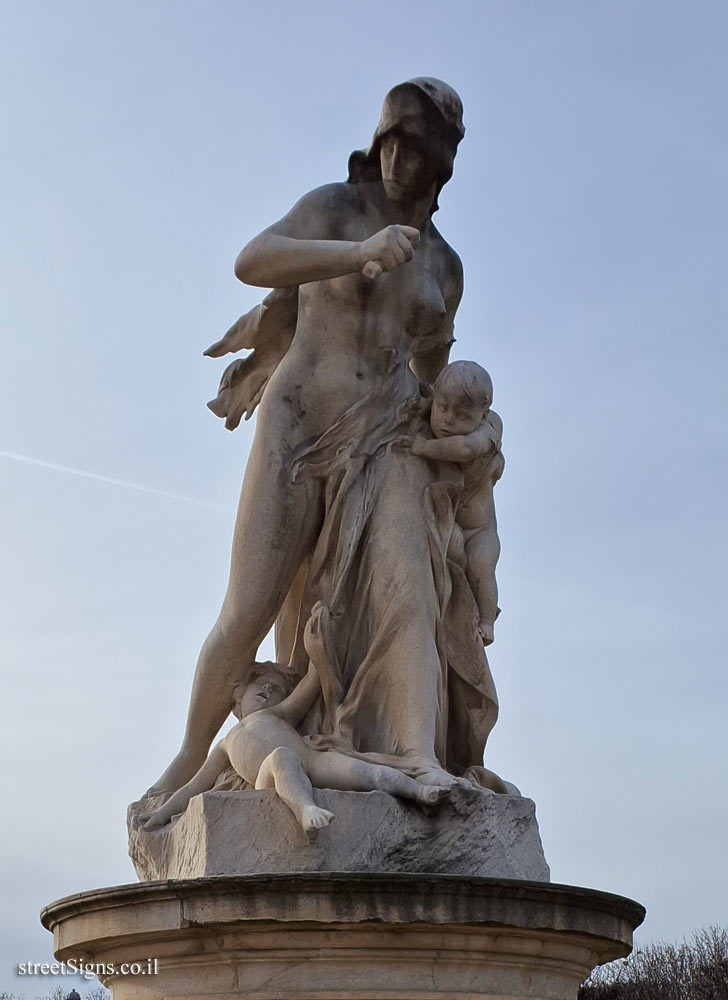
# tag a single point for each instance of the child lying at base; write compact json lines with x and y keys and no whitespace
{"x":468,"y":432}
{"x":267,"y":752}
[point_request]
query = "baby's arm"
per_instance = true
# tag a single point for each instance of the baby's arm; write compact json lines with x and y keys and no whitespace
{"x":203,"y":781}
{"x":461,"y":448}
{"x":494,"y":425}
{"x":293,"y":708}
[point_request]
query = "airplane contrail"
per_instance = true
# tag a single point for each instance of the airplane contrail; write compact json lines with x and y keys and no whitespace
{"x":55,"y":467}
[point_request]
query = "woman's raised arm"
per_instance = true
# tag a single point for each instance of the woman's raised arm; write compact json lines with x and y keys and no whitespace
{"x":297,"y":249}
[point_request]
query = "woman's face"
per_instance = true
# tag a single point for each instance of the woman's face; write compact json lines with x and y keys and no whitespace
{"x":407,"y":173}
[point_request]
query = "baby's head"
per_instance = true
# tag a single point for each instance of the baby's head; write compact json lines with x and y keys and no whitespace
{"x":462,"y":395}
{"x":267,"y":684}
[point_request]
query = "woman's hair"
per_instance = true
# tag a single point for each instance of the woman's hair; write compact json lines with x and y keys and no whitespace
{"x":468,"y":378}
{"x":430,"y":112}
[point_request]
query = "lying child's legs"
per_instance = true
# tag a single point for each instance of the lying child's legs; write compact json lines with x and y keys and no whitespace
{"x":283,"y":770}
{"x":331,"y":769}
{"x":294,"y":781}
{"x":482,"y":549}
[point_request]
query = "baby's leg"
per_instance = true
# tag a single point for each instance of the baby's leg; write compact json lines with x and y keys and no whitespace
{"x":456,"y":548}
{"x":482,"y":550}
{"x":282,"y":769}
{"x":331,"y":769}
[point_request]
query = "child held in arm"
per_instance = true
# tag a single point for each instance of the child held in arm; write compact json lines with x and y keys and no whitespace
{"x":468,"y":433}
{"x":267,"y":752}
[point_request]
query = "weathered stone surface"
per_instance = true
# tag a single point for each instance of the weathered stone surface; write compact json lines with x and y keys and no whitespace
{"x":246,"y":832}
{"x":329,"y":936}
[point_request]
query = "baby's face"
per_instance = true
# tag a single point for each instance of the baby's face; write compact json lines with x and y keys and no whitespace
{"x":263,"y":692}
{"x":454,"y":413}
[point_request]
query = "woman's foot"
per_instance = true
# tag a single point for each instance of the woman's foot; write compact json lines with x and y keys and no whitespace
{"x":430,"y":795}
{"x":314,"y":818}
{"x":184,"y":766}
{"x":442,"y":779}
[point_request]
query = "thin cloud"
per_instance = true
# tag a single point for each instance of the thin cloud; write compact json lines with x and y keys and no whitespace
{"x":98,"y":477}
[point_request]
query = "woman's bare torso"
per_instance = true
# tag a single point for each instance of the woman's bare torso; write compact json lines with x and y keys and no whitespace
{"x":347,"y":325}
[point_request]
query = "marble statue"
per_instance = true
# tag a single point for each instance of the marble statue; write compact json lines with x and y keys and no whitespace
{"x":366,"y":530}
{"x":344,"y":838}
{"x":267,"y":752}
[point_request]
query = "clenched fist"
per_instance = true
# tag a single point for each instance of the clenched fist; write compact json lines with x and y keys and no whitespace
{"x":387,"y":249}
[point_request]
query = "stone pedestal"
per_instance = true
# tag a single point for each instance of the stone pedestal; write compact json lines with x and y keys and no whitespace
{"x":247,"y":832}
{"x":343,"y":936}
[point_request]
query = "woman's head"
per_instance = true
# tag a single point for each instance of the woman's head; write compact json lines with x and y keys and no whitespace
{"x":414,"y":146}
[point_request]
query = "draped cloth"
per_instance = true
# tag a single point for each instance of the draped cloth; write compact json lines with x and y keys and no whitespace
{"x":391,"y":622}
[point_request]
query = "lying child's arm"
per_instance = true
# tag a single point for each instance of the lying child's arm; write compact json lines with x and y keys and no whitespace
{"x":203,"y":781}
{"x":293,"y":708}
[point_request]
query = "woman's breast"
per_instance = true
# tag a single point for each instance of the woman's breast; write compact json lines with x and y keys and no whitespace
{"x":357,"y":314}
{"x":425,"y":310}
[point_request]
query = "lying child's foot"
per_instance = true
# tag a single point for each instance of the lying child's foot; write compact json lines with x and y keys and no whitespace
{"x":486,"y":633}
{"x":314,"y":818}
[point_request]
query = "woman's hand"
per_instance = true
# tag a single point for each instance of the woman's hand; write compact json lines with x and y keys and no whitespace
{"x":387,"y":249}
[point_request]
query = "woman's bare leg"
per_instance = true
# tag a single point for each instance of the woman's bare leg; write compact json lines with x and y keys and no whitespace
{"x":276,"y":527}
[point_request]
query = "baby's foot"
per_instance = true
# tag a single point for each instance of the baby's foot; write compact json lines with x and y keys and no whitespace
{"x":314,"y":818}
{"x":486,"y":633}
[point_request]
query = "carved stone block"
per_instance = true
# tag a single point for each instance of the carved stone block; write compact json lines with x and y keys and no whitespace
{"x":247,"y":832}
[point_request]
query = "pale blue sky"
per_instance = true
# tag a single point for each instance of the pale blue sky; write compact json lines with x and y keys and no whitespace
{"x":145,"y":142}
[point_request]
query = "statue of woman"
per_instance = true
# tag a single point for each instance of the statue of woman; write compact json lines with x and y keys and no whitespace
{"x":338,"y":527}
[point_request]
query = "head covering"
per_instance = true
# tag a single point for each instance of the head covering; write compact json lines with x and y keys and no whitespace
{"x":426,"y":108}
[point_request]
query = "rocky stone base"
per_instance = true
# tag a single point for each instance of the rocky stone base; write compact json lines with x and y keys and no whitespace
{"x":342,"y":936}
{"x":247,"y":832}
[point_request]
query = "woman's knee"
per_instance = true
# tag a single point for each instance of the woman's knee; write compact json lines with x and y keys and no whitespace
{"x":232,"y":640}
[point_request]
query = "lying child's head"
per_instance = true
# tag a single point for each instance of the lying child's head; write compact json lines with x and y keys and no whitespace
{"x":462,"y":395}
{"x":267,"y":684}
